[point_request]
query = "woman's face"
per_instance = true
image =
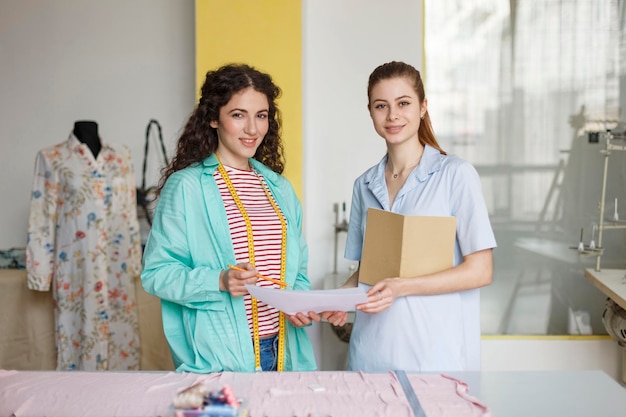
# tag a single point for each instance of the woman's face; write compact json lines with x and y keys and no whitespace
{"x":242,"y":125}
{"x":395,"y":110}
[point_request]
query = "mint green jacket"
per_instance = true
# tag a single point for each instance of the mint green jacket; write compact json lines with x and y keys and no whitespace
{"x":189,"y":244}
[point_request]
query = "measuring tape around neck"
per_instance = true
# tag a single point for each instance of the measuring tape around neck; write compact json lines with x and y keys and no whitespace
{"x":255,"y":311}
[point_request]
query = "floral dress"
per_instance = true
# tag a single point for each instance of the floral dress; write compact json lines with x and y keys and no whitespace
{"x":83,"y":241}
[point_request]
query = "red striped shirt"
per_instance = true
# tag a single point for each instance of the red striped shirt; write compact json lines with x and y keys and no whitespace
{"x":267,"y":236}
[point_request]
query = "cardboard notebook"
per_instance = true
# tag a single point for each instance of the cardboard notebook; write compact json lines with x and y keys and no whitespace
{"x":405,"y":246}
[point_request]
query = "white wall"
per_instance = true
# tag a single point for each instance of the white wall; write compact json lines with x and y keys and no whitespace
{"x":122,"y":63}
{"x":117,"y":62}
{"x":549,"y":354}
{"x":343,"y":41}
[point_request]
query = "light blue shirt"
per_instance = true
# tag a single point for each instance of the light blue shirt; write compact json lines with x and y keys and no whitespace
{"x":189,"y":244}
{"x":432,"y":332}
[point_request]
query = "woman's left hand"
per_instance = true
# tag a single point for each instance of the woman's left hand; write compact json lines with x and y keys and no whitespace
{"x":379,"y":297}
{"x":336,"y":318}
{"x":301,"y":320}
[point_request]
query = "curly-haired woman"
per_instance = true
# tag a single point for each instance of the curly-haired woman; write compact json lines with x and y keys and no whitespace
{"x":223,"y":200}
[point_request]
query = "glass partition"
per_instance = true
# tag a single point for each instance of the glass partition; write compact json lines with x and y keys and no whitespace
{"x":524,"y":90}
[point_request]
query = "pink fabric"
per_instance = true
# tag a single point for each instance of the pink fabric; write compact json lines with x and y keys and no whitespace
{"x":446,"y":396}
{"x":272,"y":394}
{"x":79,"y":393}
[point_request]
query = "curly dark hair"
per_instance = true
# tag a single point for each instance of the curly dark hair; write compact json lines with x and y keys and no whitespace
{"x":395,"y":69}
{"x":199,"y":139}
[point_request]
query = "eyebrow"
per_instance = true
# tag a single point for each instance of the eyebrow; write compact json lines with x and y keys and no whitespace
{"x":238,"y":110}
{"x":396,"y":99}
{"x":246,"y":111}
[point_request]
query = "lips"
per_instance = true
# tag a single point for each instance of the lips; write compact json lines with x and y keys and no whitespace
{"x":393,"y":129}
{"x":250,"y":142}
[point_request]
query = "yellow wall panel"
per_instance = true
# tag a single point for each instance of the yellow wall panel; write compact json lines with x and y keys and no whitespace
{"x":266,"y":34}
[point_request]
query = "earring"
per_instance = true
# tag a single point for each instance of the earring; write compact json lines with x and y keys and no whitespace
{"x":422,"y":117}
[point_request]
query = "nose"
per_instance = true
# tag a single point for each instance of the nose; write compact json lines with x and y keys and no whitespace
{"x":250,"y":128}
{"x":392,"y":114}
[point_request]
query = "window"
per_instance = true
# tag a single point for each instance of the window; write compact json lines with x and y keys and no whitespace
{"x":518,"y":88}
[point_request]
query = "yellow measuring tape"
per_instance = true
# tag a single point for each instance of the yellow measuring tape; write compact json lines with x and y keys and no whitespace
{"x":255,"y":310}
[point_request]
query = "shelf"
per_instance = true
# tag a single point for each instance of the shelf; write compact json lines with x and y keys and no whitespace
{"x":612,"y":283}
{"x":620,"y":225}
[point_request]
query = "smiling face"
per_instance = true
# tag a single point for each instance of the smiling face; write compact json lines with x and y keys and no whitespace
{"x":396,"y":110}
{"x":242,"y":125}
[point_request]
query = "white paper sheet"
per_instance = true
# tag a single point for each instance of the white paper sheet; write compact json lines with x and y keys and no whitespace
{"x":297,"y":301}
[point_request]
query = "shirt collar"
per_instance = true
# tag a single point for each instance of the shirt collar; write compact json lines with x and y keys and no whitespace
{"x":75,"y":145}
{"x":211,"y":163}
{"x":431,"y":162}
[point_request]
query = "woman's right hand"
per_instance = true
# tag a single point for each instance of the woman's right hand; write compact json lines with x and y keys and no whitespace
{"x":235,"y":282}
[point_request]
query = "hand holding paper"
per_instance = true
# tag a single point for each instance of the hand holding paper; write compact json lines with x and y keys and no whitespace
{"x":297,"y":301}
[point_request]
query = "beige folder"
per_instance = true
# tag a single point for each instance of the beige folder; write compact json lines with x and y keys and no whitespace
{"x":405,"y":246}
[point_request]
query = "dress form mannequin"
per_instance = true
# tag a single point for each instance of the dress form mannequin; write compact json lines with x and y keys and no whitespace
{"x":83,"y":233}
{"x":86,"y":131}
